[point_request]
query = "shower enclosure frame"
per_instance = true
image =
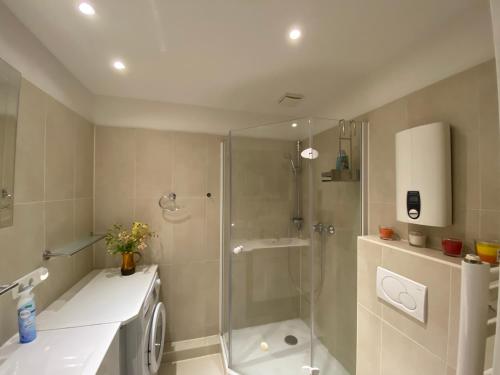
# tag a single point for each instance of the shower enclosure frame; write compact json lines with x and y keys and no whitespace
{"x":226,"y":212}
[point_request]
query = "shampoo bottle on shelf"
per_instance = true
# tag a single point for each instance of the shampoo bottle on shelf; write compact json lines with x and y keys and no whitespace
{"x":26,"y":316}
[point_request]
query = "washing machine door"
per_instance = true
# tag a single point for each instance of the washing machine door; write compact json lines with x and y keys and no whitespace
{"x":156,"y":337}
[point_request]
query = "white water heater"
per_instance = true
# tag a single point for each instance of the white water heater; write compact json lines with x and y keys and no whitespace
{"x":423,"y":175}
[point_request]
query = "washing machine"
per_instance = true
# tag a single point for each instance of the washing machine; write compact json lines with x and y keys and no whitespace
{"x":142,"y":340}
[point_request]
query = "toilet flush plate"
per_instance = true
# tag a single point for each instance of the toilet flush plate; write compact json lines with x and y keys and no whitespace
{"x":403,"y":293}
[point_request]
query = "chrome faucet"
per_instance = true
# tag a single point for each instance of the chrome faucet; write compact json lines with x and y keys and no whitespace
{"x":323,"y":228}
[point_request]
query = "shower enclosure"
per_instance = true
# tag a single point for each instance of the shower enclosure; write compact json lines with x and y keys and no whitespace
{"x":292,"y":212}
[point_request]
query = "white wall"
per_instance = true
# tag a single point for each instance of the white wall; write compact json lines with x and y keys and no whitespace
{"x":463,"y":44}
{"x":136,"y":113}
{"x":21,"y":49}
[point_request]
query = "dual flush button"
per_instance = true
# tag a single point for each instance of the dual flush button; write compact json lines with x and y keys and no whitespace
{"x":406,"y":295}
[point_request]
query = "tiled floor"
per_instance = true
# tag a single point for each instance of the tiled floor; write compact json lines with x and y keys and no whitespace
{"x":208,"y":365}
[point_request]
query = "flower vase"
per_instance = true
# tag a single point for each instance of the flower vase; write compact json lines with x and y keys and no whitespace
{"x":128,"y":263}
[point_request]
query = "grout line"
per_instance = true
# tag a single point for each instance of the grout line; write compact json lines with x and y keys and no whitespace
{"x":449,"y":319}
{"x":480,"y":169}
{"x":44,"y":161}
{"x":414,"y":342}
{"x":134,"y":178}
{"x":381,"y":343}
{"x":367,"y":309}
{"x":93,"y":192}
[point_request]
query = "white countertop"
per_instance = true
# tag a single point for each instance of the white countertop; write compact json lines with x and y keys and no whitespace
{"x":101,"y":297}
{"x":69,"y":351}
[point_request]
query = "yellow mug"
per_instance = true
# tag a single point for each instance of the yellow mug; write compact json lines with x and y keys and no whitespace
{"x":488,"y":250}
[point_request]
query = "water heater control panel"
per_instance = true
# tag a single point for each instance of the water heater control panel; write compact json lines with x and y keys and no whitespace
{"x":413,"y":204}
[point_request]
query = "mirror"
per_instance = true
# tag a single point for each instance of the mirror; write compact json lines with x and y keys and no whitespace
{"x":10,"y":84}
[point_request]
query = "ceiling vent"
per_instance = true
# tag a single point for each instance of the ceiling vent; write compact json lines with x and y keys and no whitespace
{"x":291,"y":100}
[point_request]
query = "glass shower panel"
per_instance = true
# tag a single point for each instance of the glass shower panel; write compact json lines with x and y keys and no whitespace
{"x":268,"y":335}
{"x":336,"y":192}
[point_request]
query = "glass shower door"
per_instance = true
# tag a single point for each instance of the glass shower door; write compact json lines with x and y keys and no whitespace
{"x":267,"y":333}
{"x":278,"y":271}
{"x":336,"y":195}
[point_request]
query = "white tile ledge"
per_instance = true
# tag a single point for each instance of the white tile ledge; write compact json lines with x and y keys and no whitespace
{"x":423,"y":252}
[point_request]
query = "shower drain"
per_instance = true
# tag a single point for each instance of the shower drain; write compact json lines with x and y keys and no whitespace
{"x":291,"y":340}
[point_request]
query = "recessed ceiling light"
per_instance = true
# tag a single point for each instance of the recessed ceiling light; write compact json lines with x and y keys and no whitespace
{"x":118,"y":65}
{"x":294,"y":125}
{"x":295,"y":34}
{"x":86,"y":9}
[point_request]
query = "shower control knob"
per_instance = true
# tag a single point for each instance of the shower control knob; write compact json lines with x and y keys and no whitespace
{"x":238,"y":249}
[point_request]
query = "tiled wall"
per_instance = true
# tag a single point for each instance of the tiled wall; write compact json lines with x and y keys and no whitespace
{"x":53,"y":199}
{"x":389,"y":341}
{"x":468,"y":101}
{"x":133,"y":168}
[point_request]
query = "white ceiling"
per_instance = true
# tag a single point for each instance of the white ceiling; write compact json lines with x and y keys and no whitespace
{"x":234,"y":54}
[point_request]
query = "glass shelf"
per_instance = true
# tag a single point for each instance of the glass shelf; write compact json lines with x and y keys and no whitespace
{"x":73,"y":247}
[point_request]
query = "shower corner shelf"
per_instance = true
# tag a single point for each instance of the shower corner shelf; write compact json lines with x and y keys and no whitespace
{"x":73,"y":247}
{"x":347,"y":175}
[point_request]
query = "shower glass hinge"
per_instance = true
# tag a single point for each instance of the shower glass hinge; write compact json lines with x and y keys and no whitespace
{"x":308,"y":370}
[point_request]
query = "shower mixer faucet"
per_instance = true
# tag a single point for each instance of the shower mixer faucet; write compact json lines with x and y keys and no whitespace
{"x":323,"y":228}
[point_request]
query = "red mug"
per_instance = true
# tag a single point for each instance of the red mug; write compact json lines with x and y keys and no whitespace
{"x":452,"y":247}
{"x":385,"y":233}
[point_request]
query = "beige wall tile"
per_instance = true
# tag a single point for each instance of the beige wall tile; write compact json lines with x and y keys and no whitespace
{"x":369,"y":257}
{"x":192,"y":294}
{"x":84,"y":158}
{"x":59,"y":223}
{"x":161,"y":249}
{"x":385,"y":122}
{"x":212,"y":215}
{"x":189,"y":234}
{"x":213,"y":166}
{"x":115,"y":163}
{"x":111,"y":210}
{"x":489,"y":137}
{"x":436,"y":276}
{"x":60,"y":152}
{"x":385,"y":214}
{"x":490,"y":225}
{"x":22,"y":243}
{"x":189,"y":164}
{"x":368,"y":342}
{"x":400,"y":355}
{"x":102,"y":259}
{"x":154,"y":163}
{"x":83,"y":263}
{"x":30,"y":144}
{"x":84,"y":219}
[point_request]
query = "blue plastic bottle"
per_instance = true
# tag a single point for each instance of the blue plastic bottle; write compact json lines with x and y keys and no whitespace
{"x":26,"y":316}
